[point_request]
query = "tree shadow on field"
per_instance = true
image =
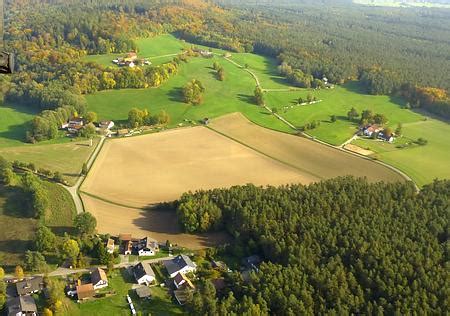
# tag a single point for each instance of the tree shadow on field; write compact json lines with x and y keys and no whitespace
{"x":246,"y":98}
{"x":162,"y":221}
{"x":176,"y":95}
{"x":60,"y":230}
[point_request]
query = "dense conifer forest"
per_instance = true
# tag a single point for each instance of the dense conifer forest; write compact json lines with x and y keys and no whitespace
{"x":341,"y":246}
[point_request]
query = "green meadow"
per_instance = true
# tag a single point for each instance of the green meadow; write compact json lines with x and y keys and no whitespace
{"x":422,"y":163}
{"x":337,"y":101}
{"x":234,"y":94}
{"x":158,"y":50}
{"x":13,"y":122}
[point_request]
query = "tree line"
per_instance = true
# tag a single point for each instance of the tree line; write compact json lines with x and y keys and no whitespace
{"x":339,"y":246}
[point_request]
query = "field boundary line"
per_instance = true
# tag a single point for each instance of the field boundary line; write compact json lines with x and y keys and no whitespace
{"x":265,"y":154}
{"x":112,"y":202}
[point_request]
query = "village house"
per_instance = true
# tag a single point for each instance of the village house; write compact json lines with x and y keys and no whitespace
{"x":30,"y":286}
{"x":126,"y":243}
{"x":99,"y":279}
{"x":110,"y":246}
{"x":143,"y":273}
{"x":75,"y":125}
{"x":147,"y":247}
{"x":21,"y":306}
{"x":181,"y":281}
{"x":180,"y":264}
{"x":85,"y":291}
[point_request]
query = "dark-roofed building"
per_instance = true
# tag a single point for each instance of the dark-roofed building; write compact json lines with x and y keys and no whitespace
{"x":21,"y":306}
{"x":147,"y":247}
{"x":99,"y":279}
{"x":143,"y":273}
{"x":180,"y":264}
{"x":181,"y":281}
{"x":30,"y":286}
{"x":143,"y":292}
{"x":85,"y":291}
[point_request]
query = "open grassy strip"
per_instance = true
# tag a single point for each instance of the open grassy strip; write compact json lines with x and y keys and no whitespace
{"x":121,"y":283}
{"x":67,"y":158}
{"x":61,"y":209}
{"x":337,"y":101}
{"x":422,"y":163}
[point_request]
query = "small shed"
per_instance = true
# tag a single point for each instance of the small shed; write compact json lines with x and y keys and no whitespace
{"x":143,"y":292}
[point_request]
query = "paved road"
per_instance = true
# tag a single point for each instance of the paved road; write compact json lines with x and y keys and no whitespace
{"x":73,"y":190}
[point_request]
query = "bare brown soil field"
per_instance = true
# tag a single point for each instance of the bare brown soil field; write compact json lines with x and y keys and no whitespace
{"x":149,"y":169}
{"x":319,"y":160}
{"x":358,"y":150}
{"x":160,"y":225}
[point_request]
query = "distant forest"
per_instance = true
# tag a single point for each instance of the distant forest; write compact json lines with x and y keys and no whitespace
{"x":392,"y":51}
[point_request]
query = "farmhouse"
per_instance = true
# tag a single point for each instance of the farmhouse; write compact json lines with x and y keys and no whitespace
{"x":106,"y":125}
{"x":75,"y":124}
{"x":180,"y":264}
{"x":147,"y":247}
{"x":85,"y":291}
{"x":30,"y":286}
{"x":22,"y":305}
{"x":369,"y":130}
{"x":181,"y":281}
{"x":110,"y":245}
{"x":99,"y":279}
{"x":143,"y":273}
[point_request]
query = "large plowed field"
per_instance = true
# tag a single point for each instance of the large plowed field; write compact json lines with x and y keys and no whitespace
{"x":149,"y":169}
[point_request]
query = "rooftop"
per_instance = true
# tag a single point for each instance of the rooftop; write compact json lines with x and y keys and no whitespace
{"x":143,"y":292}
{"x":178,"y":263}
{"x":24,"y":304}
{"x":98,"y":275}
{"x":142,"y":269}
{"x":85,"y":291}
{"x":29,"y":286}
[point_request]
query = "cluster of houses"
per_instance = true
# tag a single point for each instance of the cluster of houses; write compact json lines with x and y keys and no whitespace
{"x":22,"y":301}
{"x":131,"y":60}
{"x":374,"y":130}
{"x":76,"y":124}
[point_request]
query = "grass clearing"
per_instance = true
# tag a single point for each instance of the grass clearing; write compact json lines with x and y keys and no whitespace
{"x":67,"y":158}
{"x":13,"y":124}
{"x":422,"y":163}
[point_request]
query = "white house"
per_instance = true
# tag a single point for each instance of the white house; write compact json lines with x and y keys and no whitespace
{"x":147,"y":247}
{"x":99,"y":279}
{"x":180,"y":264}
{"x":143,"y":273}
{"x":106,"y":125}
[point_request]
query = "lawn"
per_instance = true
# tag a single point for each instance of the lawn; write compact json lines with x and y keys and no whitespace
{"x":62,"y":208}
{"x":337,"y":101}
{"x":422,"y":163}
{"x":67,"y":157}
{"x":121,"y":282}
